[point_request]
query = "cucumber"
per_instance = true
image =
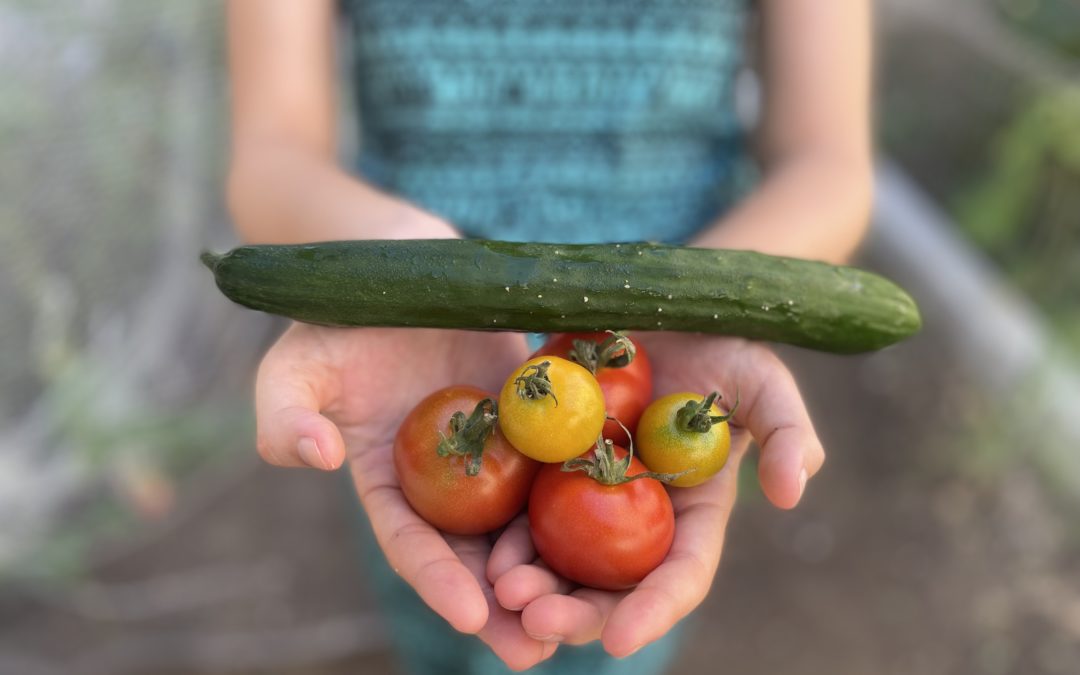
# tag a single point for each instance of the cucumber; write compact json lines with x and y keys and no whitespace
{"x":497,"y":285}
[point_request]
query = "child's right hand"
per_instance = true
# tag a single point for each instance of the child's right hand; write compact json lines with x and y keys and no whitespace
{"x":325,"y":396}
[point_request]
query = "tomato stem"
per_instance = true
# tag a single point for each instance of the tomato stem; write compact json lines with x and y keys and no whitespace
{"x":616,"y":351}
{"x":606,"y":470}
{"x":695,"y":415}
{"x":469,"y":434}
{"x":534,"y":382}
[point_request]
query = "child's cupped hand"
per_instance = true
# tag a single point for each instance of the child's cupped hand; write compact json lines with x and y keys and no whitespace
{"x":326,"y":396}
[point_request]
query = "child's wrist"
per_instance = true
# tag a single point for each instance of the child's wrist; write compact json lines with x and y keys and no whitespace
{"x":420,"y":224}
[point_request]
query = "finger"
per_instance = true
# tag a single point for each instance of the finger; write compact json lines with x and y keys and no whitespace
{"x":525,"y":583}
{"x":503,"y":632}
{"x":418,"y":552}
{"x":776,"y":416}
{"x":514,"y":547}
{"x":575,"y":619}
{"x":682,"y":581}
{"x":289,"y":429}
{"x":514,"y":647}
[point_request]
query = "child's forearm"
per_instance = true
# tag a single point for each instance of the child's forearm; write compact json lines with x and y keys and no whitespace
{"x":816,"y":208}
{"x":282,"y":194}
{"x":814,"y":136}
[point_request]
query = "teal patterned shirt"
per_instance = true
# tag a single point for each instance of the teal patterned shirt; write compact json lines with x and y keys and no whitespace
{"x":553,"y":120}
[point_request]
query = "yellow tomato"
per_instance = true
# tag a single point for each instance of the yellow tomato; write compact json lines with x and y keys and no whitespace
{"x":684,"y":432}
{"x":551,"y":409}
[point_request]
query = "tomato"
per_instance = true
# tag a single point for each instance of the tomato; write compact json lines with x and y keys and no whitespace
{"x":684,"y":433}
{"x":434,"y":455}
{"x":627,"y":388}
{"x":604,"y":536}
{"x":551,"y":409}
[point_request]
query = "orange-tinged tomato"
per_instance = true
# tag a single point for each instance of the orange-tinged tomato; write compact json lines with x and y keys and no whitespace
{"x":680,"y":433}
{"x":433,"y":452}
{"x":551,"y":409}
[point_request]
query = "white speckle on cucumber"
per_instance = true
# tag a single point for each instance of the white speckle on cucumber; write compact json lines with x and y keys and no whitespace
{"x":586,"y":298}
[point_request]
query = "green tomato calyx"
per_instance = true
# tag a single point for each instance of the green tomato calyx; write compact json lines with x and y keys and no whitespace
{"x":534,"y":383}
{"x":696,"y":415}
{"x":617,"y":351}
{"x":469,"y":434}
{"x":605,"y":469}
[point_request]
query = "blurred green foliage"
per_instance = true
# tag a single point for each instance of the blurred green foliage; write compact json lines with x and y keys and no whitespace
{"x":88,"y":112}
{"x":1055,"y":23}
{"x":1025,"y":210}
{"x":112,"y":120}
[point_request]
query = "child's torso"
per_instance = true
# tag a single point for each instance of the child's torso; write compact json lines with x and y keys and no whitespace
{"x":558,"y":120}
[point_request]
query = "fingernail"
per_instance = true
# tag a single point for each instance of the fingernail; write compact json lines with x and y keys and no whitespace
{"x":554,"y":637}
{"x":633,"y":651}
{"x":803,"y":476}
{"x":309,"y":452}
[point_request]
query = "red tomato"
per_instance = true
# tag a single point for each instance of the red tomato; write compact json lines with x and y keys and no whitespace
{"x":627,"y":389}
{"x":603,"y":536}
{"x":438,"y":487}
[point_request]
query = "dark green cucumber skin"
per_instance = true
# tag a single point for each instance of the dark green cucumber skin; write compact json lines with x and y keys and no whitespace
{"x":495,"y":285}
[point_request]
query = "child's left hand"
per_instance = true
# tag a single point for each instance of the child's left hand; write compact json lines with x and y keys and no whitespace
{"x":772,"y":412}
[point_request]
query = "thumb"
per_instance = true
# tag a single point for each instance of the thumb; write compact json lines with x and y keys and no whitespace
{"x":289,"y":429}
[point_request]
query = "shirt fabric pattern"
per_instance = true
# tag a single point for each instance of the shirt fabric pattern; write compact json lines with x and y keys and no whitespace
{"x":553,"y":120}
